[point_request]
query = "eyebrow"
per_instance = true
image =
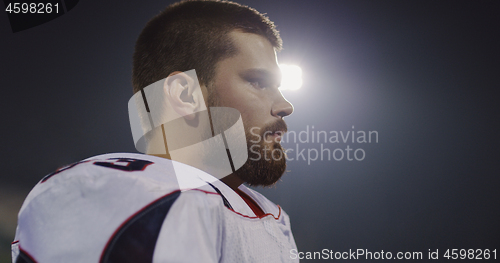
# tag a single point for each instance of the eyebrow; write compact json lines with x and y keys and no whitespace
{"x":262,"y":74}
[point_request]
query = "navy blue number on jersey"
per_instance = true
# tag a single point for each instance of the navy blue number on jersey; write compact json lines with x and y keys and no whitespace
{"x":123,"y":164}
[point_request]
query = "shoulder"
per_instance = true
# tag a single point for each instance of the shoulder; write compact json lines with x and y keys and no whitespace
{"x":105,"y":195}
{"x":110,"y":174}
{"x":120,"y":182}
{"x":114,"y":179}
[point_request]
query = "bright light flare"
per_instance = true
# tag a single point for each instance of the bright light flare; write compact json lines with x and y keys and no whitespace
{"x":291,"y":77}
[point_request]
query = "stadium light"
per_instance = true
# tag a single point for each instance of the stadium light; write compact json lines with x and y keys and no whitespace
{"x":291,"y":77}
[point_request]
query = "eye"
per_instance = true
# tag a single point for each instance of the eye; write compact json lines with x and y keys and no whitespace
{"x":258,"y":84}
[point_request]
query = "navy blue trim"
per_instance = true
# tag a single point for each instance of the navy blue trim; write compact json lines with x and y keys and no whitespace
{"x":226,"y":203}
{"x":24,"y":258}
{"x":135,"y":240}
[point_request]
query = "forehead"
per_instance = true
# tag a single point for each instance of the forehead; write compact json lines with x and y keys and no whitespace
{"x":254,"y":52}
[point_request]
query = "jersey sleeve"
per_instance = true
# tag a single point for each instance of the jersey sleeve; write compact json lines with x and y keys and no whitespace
{"x":192,"y":229}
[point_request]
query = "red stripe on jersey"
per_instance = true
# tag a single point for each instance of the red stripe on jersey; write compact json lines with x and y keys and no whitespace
{"x":251,"y":203}
{"x":238,"y":213}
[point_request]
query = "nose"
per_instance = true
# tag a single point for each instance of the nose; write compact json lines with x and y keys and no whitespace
{"x":281,"y":107}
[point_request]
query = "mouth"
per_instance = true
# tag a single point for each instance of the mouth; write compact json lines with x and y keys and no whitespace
{"x":276,"y":135}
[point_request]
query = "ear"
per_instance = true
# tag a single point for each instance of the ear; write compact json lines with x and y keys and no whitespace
{"x":184,"y":94}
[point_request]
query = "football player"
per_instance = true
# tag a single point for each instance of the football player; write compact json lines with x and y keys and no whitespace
{"x":185,"y":199}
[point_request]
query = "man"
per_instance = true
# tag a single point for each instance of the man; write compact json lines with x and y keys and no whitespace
{"x":139,"y":208}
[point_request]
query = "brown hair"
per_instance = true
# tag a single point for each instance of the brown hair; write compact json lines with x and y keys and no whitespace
{"x":194,"y":35}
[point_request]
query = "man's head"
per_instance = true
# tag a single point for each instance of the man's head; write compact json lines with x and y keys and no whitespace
{"x":233,"y":49}
{"x":194,"y":35}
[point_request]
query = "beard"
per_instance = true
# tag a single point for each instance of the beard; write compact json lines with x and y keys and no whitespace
{"x":266,"y":161}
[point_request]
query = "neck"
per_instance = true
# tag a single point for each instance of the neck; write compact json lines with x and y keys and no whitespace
{"x":232,"y":181}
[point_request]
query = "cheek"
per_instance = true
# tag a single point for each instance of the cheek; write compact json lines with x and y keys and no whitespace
{"x":253,"y":118}
{"x":248,"y":120}
{"x":253,"y":106}
{"x":247,"y":103}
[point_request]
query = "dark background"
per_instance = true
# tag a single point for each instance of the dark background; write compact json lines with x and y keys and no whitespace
{"x":424,"y":74}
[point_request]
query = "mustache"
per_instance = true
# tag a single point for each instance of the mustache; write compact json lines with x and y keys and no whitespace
{"x":279,"y":125}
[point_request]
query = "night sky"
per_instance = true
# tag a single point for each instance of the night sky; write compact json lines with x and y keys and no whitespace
{"x":425,"y":75}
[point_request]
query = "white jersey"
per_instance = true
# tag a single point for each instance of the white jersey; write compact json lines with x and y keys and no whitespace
{"x":128,"y":208}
